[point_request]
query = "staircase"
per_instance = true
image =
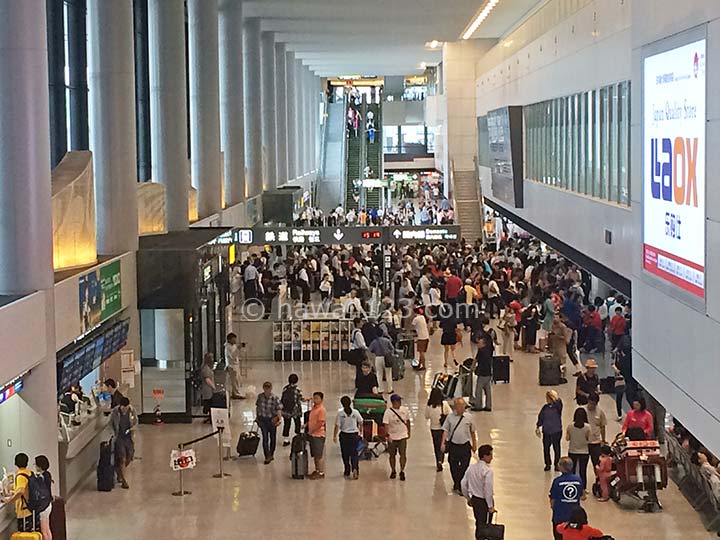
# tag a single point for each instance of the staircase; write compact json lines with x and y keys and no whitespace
{"x":374,"y":156}
{"x":468,"y":207}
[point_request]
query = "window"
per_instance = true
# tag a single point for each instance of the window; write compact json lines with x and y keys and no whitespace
{"x":581,"y":143}
{"x":413,"y":139}
{"x":391,"y":139}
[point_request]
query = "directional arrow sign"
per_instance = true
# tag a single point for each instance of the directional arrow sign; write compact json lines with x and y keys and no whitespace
{"x":338,"y":234}
{"x":397,"y":233}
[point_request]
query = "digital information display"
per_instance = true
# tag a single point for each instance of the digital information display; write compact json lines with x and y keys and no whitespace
{"x":674,"y":97}
{"x":348,"y":235}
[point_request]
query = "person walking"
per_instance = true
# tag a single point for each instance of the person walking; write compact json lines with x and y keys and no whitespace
{"x":478,"y":487}
{"x":42,"y":468}
{"x":578,"y":436}
{"x":598,"y":423}
{"x":348,"y":424}
{"x":449,"y":337}
{"x":268,"y":414}
{"x":483,"y":371}
{"x":436,"y":411}
{"x":384,"y":350}
{"x":507,"y":325}
{"x":550,"y":423}
{"x":565,"y":493}
{"x":459,"y":440}
{"x":422,"y":336}
{"x":291,"y":399}
{"x":316,"y":429}
{"x":233,"y":365}
{"x":123,"y":420}
{"x":397,"y":422}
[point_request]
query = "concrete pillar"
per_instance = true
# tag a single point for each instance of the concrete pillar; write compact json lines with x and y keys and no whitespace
{"x":168,"y":107}
{"x":269,"y":124}
{"x":292,"y":117}
{"x":204,"y":104}
{"x":253,"y":107}
{"x":314,"y":119}
{"x":307,"y":99}
{"x":232,"y":118}
{"x":112,"y":124}
{"x":300,"y":88}
{"x":281,"y":125}
{"x":25,"y":204}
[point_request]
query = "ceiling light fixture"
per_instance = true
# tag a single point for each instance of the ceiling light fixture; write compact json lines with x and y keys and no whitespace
{"x":423,"y":65}
{"x":489,"y":6}
{"x":434,"y":44}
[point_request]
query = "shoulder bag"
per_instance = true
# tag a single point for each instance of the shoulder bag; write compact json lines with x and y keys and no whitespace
{"x":452,"y":433}
{"x":443,"y":415}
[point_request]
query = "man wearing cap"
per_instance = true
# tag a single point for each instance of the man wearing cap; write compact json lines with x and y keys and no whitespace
{"x":588,"y":383}
{"x":397,"y":423}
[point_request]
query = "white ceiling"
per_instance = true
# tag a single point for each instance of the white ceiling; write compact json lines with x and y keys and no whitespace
{"x":377,"y":37}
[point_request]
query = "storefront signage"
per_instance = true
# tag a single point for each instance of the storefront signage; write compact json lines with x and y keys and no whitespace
{"x":100,"y":295}
{"x":425,"y":234}
{"x":674,"y":166}
{"x":10,"y":389}
{"x":182,"y":460}
{"x":348,"y":235}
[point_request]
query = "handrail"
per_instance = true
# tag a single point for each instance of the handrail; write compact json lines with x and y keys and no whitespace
{"x":322,"y":165}
{"x":345,"y":137}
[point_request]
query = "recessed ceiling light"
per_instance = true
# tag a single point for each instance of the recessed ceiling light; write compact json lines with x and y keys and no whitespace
{"x":423,"y":65}
{"x":434,"y":44}
{"x":489,"y":6}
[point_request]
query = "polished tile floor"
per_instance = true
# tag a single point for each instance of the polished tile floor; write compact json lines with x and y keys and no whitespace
{"x":262,"y":501}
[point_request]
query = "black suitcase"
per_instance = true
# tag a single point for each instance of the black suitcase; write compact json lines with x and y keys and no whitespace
{"x":298,"y":457}
{"x":248,"y":443}
{"x":491,"y":531}
{"x":607,"y":385}
{"x":218,"y":401}
{"x":105,"y":468}
{"x":549,"y":371}
{"x":466,"y":380}
{"x":501,"y":369}
{"x":398,"y":368}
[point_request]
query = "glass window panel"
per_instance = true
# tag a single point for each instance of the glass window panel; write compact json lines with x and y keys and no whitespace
{"x":624,"y":144}
{"x":613,"y":142}
{"x":391,"y":139}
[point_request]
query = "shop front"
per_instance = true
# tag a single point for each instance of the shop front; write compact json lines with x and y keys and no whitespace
{"x":183,"y":298}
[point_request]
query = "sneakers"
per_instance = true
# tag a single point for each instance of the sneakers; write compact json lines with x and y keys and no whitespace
{"x":402,"y":476}
{"x":393,"y":475}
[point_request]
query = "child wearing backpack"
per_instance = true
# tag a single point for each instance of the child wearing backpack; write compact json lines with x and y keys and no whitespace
{"x":42,"y":466}
{"x":31,"y":496}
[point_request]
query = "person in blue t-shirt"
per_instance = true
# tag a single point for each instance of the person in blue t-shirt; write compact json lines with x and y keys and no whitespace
{"x":565,"y":494}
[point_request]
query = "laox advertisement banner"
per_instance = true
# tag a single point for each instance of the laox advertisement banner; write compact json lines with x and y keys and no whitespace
{"x":674,"y":117}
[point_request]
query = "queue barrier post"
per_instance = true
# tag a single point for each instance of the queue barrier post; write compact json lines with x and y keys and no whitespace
{"x":181,"y":492}
{"x":221,"y":473}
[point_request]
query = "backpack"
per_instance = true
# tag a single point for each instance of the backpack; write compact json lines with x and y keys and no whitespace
{"x":39,"y":496}
{"x":288,"y":400}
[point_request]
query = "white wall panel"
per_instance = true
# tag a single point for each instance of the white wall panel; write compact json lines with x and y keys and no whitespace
{"x":22,"y":329}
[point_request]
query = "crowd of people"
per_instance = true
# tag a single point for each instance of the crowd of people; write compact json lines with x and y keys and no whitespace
{"x":541,"y":303}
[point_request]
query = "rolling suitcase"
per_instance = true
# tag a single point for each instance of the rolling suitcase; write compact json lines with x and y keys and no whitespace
{"x":105,"y":468}
{"x":398,"y":368}
{"x":549,"y":371}
{"x":58,"y":525}
{"x":501,"y":369}
{"x":218,"y":400}
{"x":248,"y":443}
{"x":451,"y":386}
{"x":298,"y":457}
{"x":466,"y":380}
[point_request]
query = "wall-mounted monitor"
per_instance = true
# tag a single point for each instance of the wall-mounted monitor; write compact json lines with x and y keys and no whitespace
{"x":505,"y":141}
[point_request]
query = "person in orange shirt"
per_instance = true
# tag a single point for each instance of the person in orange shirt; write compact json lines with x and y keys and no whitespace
{"x":617,"y":327}
{"x":316,"y":425}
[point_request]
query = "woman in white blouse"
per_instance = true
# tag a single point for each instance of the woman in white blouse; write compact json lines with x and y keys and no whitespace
{"x":436,"y":411}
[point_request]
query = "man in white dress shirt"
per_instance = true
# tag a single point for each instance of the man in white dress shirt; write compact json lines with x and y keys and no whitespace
{"x":477,"y":486}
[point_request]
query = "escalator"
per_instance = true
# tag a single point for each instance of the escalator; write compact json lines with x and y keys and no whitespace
{"x":354,"y":166}
{"x":374,"y":153}
{"x":329,"y":188}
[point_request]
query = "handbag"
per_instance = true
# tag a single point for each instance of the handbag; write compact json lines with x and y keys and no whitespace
{"x":492,"y":531}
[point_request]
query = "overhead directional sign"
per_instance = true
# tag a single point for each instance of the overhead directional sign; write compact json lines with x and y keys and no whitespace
{"x":347,"y":235}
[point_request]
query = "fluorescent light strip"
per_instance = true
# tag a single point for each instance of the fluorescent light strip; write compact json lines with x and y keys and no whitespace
{"x":480,"y":18}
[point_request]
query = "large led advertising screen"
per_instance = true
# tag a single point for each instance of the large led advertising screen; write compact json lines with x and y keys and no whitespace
{"x":674,"y":166}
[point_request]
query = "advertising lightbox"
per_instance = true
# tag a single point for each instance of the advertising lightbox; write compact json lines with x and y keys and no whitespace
{"x":674,"y":96}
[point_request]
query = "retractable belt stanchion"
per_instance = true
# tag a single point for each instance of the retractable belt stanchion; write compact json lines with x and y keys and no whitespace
{"x":220,"y":474}
{"x":181,"y":492}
